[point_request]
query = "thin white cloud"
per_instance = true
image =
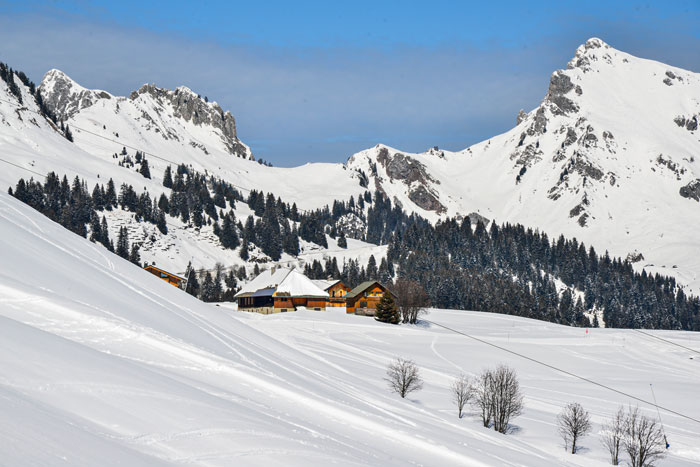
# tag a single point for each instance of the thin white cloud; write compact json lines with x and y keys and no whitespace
{"x":313,"y":104}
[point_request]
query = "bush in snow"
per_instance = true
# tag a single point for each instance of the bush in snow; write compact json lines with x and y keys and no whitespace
{"x":403,"y":377}
{"x":462,"y":393}
{"x":411,"y":298}
{"x":574,"y":423}
{"x":644,"y":439}
{"x":497,"y":395}
{"x":612,"y":435}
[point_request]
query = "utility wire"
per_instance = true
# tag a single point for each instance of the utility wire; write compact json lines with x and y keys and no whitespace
{"x":23,"y":168}
{"x":568,"y":373}
{"x":666,"y":340}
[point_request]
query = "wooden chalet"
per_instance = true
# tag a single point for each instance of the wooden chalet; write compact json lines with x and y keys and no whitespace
{"x":363,"y":299}
{"x":336,"y":291}
{"x":279,"y":290}
{"x":168,"y":277}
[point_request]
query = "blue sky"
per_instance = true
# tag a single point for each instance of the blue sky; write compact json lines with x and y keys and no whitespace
{"x":318,"y":81}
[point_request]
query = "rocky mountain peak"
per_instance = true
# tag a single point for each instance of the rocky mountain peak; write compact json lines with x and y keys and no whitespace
{"x":588,"y":53}
{"x":190,"y":106}
{"x":65,"y":97}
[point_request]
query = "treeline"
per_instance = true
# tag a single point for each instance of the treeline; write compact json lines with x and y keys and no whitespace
{"x":351,"y":272}
{"x":7,"y":74}
{"x":72,"y":206}
{"x":510,"y":269}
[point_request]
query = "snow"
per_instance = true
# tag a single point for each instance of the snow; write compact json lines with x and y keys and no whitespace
{"x":297,"y":284}
{"x":105,"y":364}
{"x":635,"y":206}
{"x":268,"y":279}
{"x":324,"y":284}
{"x":640,"y":210}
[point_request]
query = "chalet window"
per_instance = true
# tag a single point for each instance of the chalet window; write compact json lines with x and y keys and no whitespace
{"x":163,"y":275}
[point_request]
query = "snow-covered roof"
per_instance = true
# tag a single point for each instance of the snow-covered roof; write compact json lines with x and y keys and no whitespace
{"x":298,"y":285}
{"x":325,"y":284}
{"x":268,"y":279}
{"x":282,"y":281}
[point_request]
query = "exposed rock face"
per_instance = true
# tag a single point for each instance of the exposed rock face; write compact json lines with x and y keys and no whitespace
{"x":413,"y":173}
{"x":559,"y":85}
{"x":689,"y":123}
{"x":190,"y":107}
{"x":425,"y":199}
{"x":571,"y":137}
{"x":475,"y":218}
{"x":691,"y":190}
{"x":635,"y":257}
{"x":539,"y":126}
{"x":521,"y":116}
{"x":669,"y":164}
{"x":401,"y":167}
{"x":65,"y":97}
{"x":583,"y":59}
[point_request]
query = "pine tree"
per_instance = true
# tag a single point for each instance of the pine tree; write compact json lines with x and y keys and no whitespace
{"x":123,"y":243}
{"x":98,"y":198}
{"x":244,"y":250}
{"x":342,"y":242}
{"x":95,"y":229}
{"x":110,"y":200}
{"x":145,"y":170}
{"x":168,"y":178}
{"x":372,"y":268}
{"x":135,"y":255}
{"x":387,"y":312}
{"x":104,"y":229}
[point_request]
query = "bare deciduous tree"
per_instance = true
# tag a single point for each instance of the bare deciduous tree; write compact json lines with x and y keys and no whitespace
{"x":482,"y":397}
{"x":644,"y":439}
{"x":612,"y":435}
{"x":497,"y":394}
{"x":411,"y":298}
{"x":507,"y":398}
{"x":403,"y":377}
{"x":462,"y":392}
{"x":574,"y":423}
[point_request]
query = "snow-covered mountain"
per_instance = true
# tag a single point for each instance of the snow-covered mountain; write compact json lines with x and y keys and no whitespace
{"x":171,"y":128}
{"x":181,"y":118}
{"x":611,"y":156}
{"x":109,"y":365}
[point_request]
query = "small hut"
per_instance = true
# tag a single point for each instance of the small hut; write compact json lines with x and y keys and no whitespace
{"x":279,"y":290}
{"x":363,"y":299}
{"x":168,"y":277}
{"x":336,"y":290}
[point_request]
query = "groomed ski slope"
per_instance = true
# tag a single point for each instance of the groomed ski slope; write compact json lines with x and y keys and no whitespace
{"x":104,"y":364}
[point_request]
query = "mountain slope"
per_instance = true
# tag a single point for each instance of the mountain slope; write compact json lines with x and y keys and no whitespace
{"x":109,"y":365}
{"x":611,"y":156}
{"x":162,"y":123}
{"x":180,"y":127}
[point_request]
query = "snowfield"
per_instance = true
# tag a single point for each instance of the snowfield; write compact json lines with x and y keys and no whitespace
{"x":102,"y":363}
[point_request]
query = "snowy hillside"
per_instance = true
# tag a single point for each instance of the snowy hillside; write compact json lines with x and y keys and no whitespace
{"x":108,"y":365}
{"x":611,"y":156}
{"x":179,"y":127}
{"x":172,"y":127}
